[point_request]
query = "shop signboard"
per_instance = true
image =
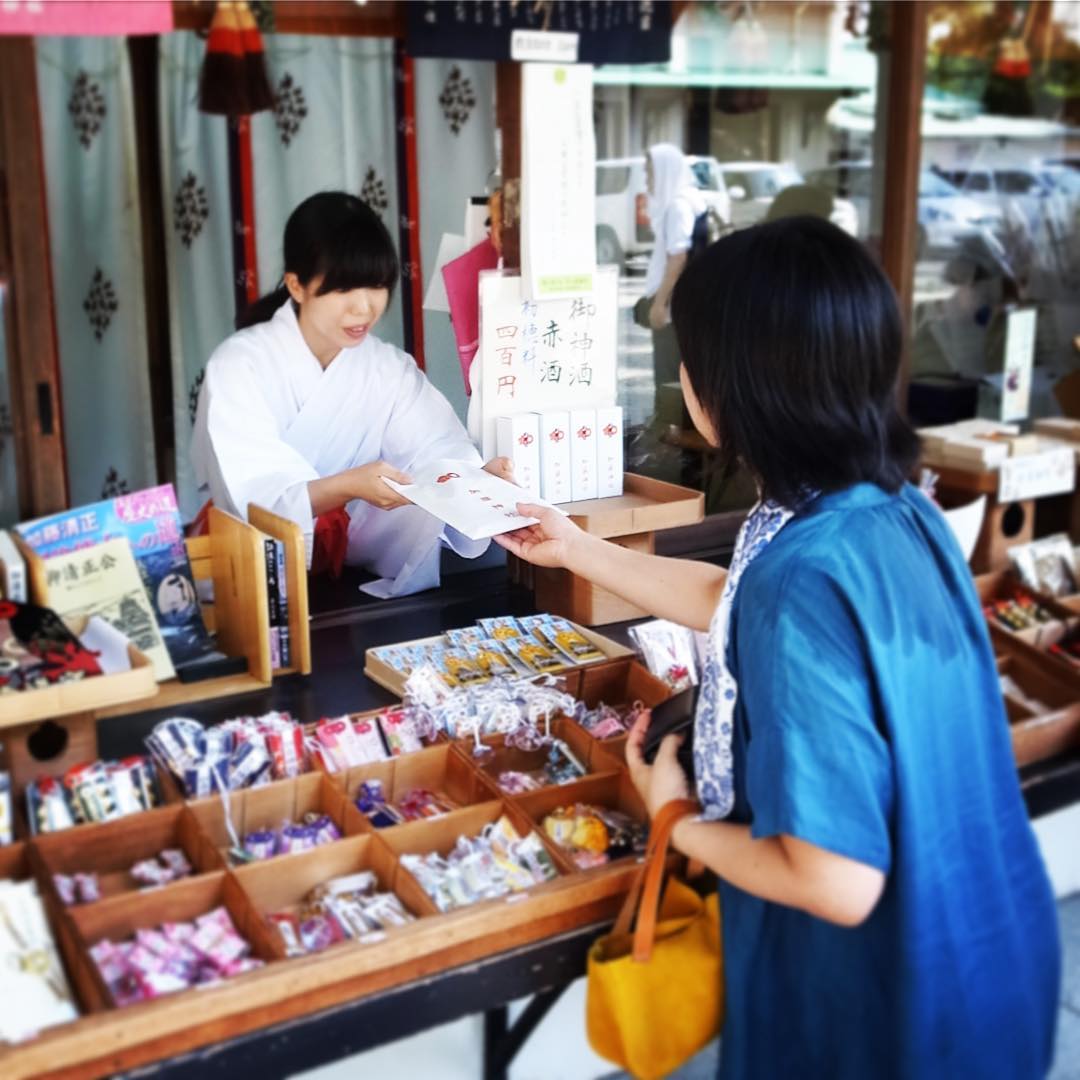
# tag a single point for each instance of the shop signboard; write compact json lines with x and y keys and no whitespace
{"x":607,"y":31}
{"x":1034,"y":476}
{"x":543,"y":355}
{"x":558,"y":179}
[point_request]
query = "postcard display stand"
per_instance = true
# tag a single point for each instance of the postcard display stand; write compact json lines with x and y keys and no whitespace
{"x":47,"y":731}
{"x":107,"y":1040}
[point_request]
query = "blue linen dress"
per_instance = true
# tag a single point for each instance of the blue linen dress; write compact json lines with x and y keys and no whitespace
{"x":870,"y":723}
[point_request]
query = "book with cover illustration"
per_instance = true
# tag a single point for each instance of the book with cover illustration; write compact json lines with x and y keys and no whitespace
{"x":103,"y":581}
{"x":272,"y":598}
{"x":150,"y":521}
{"x":283,"y":606}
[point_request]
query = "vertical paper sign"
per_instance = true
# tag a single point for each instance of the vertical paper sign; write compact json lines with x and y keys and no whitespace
{"x":542,"y":355}
{"x":1019,"y":358}
{"x":558,"y":181}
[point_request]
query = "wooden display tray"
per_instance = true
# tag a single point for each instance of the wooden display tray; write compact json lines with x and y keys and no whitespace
{"x":1000,"y":585}
{"x":645,"y":505}
{"x":394,"y":681}
{"x":1038,"y":735}
{"x":82,"y":696}
{"x":630,"y":520}
{"x":110,"y":1040}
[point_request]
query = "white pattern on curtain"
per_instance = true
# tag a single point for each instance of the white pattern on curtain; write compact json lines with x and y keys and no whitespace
{"x":455,"y":158}
{"x":195,"y":182}
{"x":333,"y":129}
{"x":91,"y":180}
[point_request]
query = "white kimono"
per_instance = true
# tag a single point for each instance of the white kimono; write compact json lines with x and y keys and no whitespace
{"x":270,"y":420}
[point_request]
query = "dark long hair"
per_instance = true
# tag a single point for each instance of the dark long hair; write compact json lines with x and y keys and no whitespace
{"x":335,"y":235}
{"x":791,"y":337}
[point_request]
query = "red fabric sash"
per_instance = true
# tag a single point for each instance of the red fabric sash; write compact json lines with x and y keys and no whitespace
{"x":330,"y":545}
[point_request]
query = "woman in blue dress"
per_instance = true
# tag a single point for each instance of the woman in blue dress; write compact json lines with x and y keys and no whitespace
{"x":886,"y":912}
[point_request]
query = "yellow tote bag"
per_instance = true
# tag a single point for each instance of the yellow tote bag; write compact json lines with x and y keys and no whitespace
{"x":655,"y":997}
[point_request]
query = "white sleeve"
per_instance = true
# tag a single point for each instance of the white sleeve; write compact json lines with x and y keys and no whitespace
{"x":679,"y":221}
{"x":423,"y":426}
{"x":239,"y":453}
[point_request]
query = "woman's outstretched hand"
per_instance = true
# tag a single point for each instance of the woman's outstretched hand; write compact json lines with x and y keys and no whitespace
{"x":548,"y":543}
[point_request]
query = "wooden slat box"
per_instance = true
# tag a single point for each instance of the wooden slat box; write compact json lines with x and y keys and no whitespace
{"x":611,"y":790}
{"x":266,"y":807}
{"x":1035,"y":641}
{"x":110,"y":849}
{"x":442,"y":769}
{"x":271,"y":892}
{"x":1037,"y":735}
{"x":441,"y":834}
{"x":619,"y":683}
{"x":119,"y":917}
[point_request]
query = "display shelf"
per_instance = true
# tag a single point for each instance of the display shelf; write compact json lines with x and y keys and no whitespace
{"x":80,"y":696}
{"x":630,"y":520}
{"x":109,"y":1040}
{"x":232,"y":556}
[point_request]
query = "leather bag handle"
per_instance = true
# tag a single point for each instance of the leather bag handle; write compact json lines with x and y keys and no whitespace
{"x":647,"y":881}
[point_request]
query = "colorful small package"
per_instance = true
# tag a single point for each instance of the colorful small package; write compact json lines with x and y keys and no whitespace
{"x":577,"y":648}
{"x":669,"y":652}
{"x":400,"y":732}
{"x":502,"y":628}
{"x":465,"y":636}
{"x":490,"y":656}
{"x":537,"y":658}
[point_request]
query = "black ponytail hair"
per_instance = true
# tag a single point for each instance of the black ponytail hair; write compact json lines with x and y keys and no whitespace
{"x":336,"y":236}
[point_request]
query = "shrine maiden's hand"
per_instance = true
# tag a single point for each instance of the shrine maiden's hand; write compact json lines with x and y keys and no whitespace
{"x":366,"y":483}
{"x":502,"y":467}
{"x":551,"y":542}
{"x":664,"y":779}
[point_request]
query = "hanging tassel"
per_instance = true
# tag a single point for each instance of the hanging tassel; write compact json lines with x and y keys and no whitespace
{"x":233,"y":80}
{"x":259,"y":94}
{"x":223,"y":79}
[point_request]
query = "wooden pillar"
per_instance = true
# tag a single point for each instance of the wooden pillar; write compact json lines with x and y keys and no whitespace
{"x":903,"y":156}
{"x":508,"y":121}
{"x":33,"y":358}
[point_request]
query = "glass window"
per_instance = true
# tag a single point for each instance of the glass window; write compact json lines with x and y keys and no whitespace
{"x":1000,"y":123}
{"x":776,"y":110}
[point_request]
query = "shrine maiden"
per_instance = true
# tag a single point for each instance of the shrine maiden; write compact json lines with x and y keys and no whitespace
{"x":304,"y":410}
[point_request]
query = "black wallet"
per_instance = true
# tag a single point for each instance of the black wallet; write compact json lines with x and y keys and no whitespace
{"x":673,"y":717}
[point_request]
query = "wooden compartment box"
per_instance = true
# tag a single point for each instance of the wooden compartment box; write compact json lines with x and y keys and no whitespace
{"x":505,"y":757}
{"x":119,"y":917}
{"x":441,"y":834}
{"x":1045,"y":720}
{"x":270,"y":891}
{"x":618,"y":683}
{"x":267,"y":807}
{"x":110,"y":849}
{"x":613,"y":790}
{"x":442,"y":769}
